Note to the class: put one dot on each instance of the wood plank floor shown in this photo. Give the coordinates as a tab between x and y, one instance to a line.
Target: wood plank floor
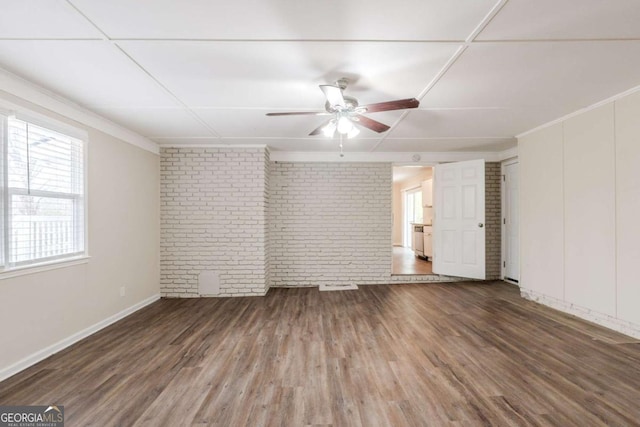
400	355
405	262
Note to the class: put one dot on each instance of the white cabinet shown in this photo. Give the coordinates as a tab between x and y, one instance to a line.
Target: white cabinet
427	193
427	236
417	241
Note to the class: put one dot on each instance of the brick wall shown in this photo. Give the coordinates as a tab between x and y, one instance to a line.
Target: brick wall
330	223
213	218
493	215
266	193
258	223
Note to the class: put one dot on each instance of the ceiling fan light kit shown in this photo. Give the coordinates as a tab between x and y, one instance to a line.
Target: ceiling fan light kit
347	114
330	129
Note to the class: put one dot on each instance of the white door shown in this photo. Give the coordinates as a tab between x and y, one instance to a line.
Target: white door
458	223
511	223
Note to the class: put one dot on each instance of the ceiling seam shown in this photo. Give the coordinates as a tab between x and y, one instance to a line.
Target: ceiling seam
420	41
93	24
126	39
192	113
566	40
486	20
195	116
422	94
456	55
51	39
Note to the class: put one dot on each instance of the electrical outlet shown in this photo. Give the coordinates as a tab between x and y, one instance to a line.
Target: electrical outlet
122	291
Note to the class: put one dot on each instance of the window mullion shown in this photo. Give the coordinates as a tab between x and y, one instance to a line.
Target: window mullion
4	203
41	193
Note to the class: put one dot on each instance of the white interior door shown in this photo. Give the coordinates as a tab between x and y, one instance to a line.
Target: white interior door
511	223
458	223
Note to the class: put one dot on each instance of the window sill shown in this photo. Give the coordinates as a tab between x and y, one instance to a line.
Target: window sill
38	268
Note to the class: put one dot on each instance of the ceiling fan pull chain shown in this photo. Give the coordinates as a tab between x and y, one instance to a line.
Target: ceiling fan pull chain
341	153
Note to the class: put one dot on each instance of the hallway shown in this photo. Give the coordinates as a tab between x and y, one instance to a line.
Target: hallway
405	262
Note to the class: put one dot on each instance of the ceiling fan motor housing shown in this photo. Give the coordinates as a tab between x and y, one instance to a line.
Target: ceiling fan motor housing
350	105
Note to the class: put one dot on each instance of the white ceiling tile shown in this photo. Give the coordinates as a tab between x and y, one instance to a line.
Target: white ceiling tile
565	19
287	74
286	19
564	75
229	67
254	123
43	19
158	122
91	73
443	145
315	144
241	123
471	122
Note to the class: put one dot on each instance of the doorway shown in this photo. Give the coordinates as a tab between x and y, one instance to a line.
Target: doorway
410	210
510	222
412	214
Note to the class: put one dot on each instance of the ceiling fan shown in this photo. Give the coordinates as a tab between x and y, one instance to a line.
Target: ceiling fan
347	114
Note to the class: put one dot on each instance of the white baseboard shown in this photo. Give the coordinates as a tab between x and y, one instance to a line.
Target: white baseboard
62	344
601	319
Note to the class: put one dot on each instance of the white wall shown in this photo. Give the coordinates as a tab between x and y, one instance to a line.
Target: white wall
580	184
627	113
41	309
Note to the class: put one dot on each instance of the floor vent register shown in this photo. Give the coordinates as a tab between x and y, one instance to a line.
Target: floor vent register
345	287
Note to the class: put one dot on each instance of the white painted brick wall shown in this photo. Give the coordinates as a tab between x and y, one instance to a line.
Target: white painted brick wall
213	217
330	223
260	223
493	215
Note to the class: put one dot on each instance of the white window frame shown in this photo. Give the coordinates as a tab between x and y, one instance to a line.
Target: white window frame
28	267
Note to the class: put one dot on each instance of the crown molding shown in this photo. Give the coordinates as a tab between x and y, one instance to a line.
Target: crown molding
28	91
508	154
214	146
426	158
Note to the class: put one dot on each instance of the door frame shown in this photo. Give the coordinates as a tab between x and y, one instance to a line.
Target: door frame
503	225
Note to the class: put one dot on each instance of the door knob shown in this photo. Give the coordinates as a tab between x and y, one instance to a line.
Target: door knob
480	225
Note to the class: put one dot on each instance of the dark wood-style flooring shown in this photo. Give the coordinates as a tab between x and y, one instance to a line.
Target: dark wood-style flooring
406	262
400	355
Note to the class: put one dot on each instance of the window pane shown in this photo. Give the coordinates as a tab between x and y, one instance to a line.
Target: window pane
55	161
42	227
45	186
17	154
417	215
44	160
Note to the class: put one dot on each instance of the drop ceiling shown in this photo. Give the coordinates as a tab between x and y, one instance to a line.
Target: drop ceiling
206	72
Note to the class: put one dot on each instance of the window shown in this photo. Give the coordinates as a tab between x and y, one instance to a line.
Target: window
43	195
412	212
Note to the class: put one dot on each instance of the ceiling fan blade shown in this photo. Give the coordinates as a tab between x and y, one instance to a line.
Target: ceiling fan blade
333	94
319	129
400	104
371	124
300	113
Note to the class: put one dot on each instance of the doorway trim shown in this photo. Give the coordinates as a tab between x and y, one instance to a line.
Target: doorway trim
503	226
